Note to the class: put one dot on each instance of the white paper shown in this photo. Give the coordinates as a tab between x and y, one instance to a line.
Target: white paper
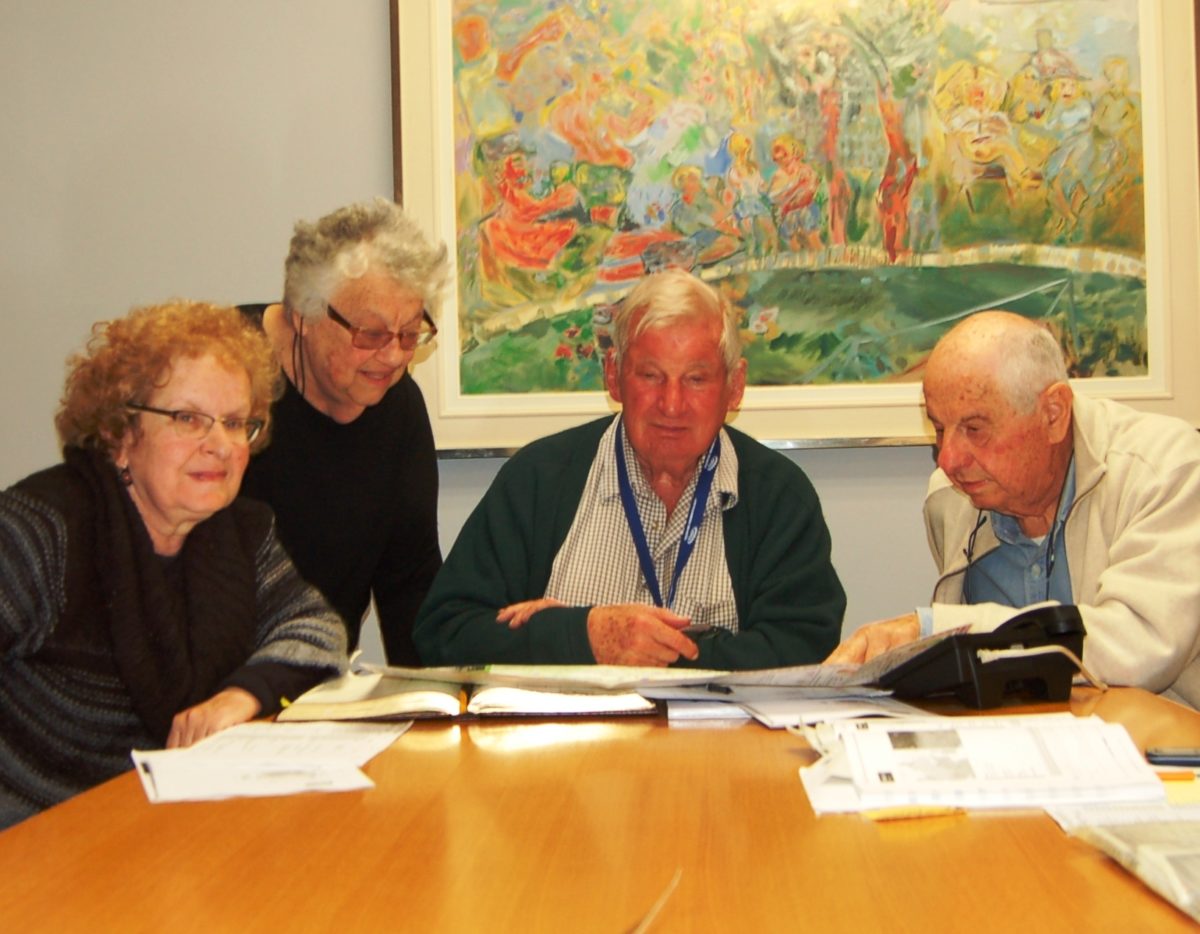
1160	845
168	777
258	759
629	678
1069	818
496	699
357	743
1036	760
781	708
693	710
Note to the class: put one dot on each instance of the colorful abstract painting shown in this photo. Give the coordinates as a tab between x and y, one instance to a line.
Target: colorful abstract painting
855	174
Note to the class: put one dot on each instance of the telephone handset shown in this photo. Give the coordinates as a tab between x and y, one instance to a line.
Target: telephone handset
1023	656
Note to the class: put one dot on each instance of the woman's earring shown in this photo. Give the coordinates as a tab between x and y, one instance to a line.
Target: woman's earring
126	476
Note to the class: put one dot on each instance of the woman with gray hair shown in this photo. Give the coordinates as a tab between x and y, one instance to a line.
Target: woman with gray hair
351	472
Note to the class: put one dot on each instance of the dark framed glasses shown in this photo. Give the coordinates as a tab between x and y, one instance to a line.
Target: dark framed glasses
196	425
368	339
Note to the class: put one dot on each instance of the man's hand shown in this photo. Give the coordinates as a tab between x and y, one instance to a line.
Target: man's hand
874	639
635	634
229	707
517	614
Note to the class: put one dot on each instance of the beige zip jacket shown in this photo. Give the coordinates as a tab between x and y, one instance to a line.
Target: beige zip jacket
1132	544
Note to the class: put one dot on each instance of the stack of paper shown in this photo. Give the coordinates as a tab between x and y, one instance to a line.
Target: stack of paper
259	759
500	700
1159	844
683	710
975	762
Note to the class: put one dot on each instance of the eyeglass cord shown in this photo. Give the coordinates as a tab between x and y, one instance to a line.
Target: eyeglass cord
298	371
969	554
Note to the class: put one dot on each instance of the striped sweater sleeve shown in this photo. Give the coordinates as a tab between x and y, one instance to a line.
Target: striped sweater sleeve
300	639
33	548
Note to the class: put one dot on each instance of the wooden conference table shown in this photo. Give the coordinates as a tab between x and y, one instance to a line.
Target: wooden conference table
576	826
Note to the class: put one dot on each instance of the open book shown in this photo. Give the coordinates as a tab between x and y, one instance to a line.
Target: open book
371	692
375	691
377	694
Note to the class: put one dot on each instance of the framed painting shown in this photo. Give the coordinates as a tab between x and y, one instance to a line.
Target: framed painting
855	176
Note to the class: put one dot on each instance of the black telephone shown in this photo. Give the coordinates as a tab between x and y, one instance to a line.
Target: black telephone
954	666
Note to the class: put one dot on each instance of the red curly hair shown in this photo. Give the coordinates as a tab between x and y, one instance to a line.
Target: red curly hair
126	359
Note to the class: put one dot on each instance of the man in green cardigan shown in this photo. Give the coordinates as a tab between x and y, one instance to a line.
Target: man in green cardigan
656	537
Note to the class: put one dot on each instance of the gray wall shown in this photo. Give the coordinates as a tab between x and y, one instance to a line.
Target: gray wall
156	149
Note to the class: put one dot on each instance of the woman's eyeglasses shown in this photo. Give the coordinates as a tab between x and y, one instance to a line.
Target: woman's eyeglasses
367	339
195	426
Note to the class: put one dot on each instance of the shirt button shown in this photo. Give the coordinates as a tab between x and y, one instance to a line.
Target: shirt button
1037	570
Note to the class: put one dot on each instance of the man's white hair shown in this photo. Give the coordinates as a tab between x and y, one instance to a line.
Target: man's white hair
672	295
1031	360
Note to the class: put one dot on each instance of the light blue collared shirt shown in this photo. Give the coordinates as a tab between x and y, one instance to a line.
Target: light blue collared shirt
1021	570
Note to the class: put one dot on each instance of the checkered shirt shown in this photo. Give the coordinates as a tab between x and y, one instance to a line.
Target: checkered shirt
598	563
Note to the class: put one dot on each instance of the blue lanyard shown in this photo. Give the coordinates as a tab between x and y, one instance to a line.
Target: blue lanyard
691	530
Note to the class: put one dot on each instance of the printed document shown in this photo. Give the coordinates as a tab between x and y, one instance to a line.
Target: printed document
1159	844
259	759
1035	760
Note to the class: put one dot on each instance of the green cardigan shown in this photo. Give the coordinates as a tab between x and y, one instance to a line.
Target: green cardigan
789	600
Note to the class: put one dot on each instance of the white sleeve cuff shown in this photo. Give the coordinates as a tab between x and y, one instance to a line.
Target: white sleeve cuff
977	617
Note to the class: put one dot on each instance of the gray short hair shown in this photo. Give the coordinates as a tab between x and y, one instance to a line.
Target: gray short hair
673	295
1031	360
346	244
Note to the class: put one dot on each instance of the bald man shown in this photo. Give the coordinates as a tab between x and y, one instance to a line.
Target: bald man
1043	495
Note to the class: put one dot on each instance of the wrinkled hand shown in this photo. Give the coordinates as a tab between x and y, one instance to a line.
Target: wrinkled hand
874	639
517	614
635	634
229	707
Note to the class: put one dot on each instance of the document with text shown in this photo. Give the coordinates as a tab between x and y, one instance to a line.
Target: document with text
1035	760
260	759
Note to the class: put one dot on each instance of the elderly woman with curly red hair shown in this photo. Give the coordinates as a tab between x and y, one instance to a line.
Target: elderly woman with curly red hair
142	603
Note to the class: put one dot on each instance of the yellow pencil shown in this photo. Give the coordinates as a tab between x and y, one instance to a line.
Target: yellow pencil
908	812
